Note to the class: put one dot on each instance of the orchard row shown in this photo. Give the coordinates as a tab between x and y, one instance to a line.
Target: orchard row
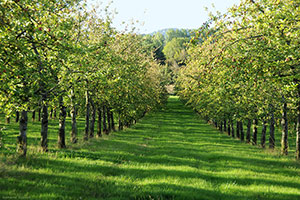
247	71
61	55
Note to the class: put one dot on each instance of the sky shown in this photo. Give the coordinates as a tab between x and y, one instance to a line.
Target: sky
154	15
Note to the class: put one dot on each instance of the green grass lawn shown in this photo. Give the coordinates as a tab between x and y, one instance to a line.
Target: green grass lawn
170	154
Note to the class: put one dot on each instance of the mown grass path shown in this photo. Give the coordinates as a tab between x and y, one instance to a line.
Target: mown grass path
170	154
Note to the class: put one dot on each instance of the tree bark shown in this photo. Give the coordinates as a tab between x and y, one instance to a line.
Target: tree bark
232	129
73	118
248	134
87	116
17	116
108	119
272	129
7	120
225	125
263	134
99	131
298	125
62	124
120	122
93	119
284	122
242	131
104	121
22	138
221	126
238	129
39	119
229	128
51	113
112	121
33	116
254	138
44	128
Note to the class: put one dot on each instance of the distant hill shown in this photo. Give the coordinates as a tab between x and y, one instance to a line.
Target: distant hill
164	31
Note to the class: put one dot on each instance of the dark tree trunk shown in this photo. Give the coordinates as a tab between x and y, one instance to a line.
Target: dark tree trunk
44	128
298	125
225	125
229	129
112	121
99	125
263	134
248	134
62	124
51	113
33	116
120	122
242	131
254	138
272	129
39	119
232	129
221	126
17	116
93	119
104	121
108	119
73	118
87	116
237	129
284	122
7	120
55	114
22	138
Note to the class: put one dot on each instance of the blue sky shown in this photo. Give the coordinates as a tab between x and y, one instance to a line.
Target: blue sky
160	14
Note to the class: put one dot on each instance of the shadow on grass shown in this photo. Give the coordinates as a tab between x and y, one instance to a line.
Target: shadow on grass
169	154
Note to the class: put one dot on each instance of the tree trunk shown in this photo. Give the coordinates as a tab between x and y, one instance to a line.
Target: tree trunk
242	131
7	120
221	126
225	125
44	128
104	121
108	119
263	134
55	114
229	128
284	122
87	116
22	138
248	134
39	114
33	116
51	113
17	116
112	121
120	122
62	124
298	125
254	138
93	119
238	129
99	131
272	130
232	129
73	118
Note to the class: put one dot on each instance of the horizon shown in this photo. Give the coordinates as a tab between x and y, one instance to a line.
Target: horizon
151	16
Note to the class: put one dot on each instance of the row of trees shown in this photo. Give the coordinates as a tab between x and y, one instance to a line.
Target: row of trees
246	70
58	54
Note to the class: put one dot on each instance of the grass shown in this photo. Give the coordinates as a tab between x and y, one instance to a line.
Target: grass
170	154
